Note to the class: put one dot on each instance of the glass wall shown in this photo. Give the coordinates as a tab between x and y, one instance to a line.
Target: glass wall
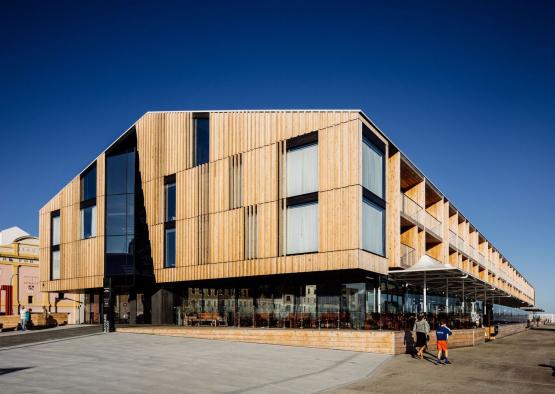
369	304
120	213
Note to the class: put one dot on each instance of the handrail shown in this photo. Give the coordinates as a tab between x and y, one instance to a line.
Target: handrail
408	256
452	238
411	208
433	223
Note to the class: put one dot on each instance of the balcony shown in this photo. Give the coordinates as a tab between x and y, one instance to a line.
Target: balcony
411	209
433	225
408	256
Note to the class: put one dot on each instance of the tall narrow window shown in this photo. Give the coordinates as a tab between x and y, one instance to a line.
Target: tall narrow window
88	202
373	202
169	222
235	181
201	138
55	245
251	232
169	258
169	190
302	219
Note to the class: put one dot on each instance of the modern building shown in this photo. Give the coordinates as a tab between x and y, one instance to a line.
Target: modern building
19	278
274	218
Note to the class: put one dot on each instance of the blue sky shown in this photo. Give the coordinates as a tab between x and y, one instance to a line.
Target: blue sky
467	91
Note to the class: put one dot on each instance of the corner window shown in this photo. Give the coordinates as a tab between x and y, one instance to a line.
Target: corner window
88	202
201	138
169	222
301	218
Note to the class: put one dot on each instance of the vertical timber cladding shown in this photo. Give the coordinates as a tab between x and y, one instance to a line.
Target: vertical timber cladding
210	231
81	260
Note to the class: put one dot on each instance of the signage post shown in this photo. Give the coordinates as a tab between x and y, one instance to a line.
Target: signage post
107	298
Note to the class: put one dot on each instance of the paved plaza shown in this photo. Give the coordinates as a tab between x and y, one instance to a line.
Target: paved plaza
86	361
125	363
519	363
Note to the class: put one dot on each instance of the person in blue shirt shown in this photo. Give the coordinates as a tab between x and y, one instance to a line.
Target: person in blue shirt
442	334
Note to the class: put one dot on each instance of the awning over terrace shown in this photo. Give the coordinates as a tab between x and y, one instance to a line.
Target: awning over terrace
432	276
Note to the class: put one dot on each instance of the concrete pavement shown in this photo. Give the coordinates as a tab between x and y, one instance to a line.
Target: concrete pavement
125	363
515	364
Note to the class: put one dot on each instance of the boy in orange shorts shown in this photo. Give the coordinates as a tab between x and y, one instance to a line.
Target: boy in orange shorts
442	334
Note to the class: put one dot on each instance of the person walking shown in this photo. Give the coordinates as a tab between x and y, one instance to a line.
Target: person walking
29	321
442	335
23	317
422	328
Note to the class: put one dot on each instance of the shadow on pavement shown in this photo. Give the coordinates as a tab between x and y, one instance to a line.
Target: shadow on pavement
5	371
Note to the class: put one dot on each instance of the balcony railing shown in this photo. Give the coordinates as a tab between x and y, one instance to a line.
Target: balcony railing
452	238
411	209
433	224
472	252
482	260
461	245
408	256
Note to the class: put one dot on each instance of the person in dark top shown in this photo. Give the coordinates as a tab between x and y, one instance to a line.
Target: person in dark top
442	334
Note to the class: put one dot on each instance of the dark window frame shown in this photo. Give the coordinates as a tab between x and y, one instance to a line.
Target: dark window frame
89	202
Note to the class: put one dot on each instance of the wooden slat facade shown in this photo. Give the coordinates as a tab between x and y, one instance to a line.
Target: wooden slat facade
245	174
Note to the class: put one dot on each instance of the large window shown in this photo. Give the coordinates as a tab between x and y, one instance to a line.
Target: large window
169	222
201	135
372	227
372	168
373	201
88	202
302	228
55	245
302	170
120	212
302	222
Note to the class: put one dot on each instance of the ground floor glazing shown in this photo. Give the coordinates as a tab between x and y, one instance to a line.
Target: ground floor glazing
341	300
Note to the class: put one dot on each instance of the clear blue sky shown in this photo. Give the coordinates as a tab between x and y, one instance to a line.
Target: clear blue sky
467	91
